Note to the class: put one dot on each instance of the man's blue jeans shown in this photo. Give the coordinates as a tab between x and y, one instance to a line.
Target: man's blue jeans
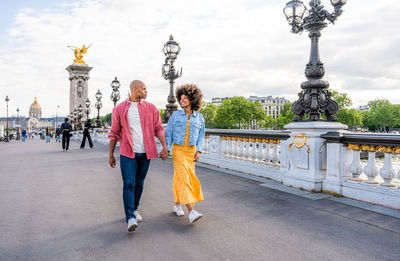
133	174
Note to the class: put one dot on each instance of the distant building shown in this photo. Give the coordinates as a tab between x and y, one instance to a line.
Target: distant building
35	121
363	107
272	106
218	101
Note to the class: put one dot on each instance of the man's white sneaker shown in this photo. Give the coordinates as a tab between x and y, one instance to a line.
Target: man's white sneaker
178	210
194	216
138	216
132	225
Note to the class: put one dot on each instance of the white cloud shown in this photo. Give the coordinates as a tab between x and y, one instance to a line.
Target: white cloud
228	48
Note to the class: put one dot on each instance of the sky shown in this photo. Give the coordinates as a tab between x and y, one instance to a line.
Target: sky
229	48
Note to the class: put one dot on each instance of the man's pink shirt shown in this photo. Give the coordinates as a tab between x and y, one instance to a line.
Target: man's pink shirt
151	126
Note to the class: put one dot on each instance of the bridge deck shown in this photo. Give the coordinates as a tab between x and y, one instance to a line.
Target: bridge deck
68	206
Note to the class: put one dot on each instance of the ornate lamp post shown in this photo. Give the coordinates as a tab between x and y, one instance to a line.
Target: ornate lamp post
75	119
87	110
98	106
7	137
80	116
18	133
115	84
314	99
171	50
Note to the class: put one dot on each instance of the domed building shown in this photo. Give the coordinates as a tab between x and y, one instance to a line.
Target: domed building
35	117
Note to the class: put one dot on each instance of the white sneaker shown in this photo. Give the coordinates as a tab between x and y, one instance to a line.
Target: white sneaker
178	210
138	216
132	225
194	216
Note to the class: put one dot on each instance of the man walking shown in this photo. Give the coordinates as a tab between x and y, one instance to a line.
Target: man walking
66	128
86	134
23	135
134	124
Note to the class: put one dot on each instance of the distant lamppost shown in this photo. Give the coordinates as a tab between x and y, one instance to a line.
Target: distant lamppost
75	118
87	110
171	50
115	84
7	137
58	106
314	99
80	116
18	133
98	106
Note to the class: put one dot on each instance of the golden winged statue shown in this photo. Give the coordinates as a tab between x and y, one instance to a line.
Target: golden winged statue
79	52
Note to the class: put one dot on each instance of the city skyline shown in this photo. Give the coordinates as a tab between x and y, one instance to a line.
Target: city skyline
229	49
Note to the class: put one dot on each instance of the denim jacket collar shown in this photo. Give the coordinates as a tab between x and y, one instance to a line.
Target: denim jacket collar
184	113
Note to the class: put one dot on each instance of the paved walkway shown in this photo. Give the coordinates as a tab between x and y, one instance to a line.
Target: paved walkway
68	206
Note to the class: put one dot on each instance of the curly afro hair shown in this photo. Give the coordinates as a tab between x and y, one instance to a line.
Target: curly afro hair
193	93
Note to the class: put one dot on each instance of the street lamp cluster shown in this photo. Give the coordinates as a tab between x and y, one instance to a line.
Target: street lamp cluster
171	50
314	99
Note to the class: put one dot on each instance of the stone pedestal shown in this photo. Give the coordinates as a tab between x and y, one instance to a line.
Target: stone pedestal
78	76
307	154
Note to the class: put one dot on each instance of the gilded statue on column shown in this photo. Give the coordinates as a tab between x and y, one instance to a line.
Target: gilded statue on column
79	52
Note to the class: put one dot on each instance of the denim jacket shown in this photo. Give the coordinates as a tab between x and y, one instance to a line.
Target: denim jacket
176	129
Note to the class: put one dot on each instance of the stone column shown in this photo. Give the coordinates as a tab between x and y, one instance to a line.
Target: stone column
78	92
307	154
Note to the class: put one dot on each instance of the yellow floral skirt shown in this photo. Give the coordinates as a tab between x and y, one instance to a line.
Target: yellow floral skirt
186	186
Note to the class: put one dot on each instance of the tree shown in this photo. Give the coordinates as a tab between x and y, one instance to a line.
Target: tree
350	117
209	111
286	116
382	114
269	122
162	112
106	120
342	99
238	112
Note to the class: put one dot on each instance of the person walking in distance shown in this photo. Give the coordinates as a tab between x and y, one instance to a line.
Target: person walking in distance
23	135
86	134
48	135
134	124
66	129
185	134
58	133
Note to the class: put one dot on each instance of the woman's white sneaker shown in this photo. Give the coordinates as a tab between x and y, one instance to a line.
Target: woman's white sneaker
194	216
132	225
178	210
138	216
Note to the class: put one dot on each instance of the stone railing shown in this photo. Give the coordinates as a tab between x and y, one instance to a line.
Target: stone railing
254	152
370	181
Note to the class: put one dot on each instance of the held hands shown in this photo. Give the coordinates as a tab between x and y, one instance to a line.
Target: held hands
111	161
164	154
196	156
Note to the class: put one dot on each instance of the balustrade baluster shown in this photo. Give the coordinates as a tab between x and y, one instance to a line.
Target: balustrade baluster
387	172
370	169
275	153
356	168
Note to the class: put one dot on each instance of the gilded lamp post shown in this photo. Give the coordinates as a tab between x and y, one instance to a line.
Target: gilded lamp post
171	50
314	99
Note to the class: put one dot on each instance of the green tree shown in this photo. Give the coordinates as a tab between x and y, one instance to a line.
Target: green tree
106	120
209	111
382	115
269	122
238	112
350	117
162	112
342	99
286	116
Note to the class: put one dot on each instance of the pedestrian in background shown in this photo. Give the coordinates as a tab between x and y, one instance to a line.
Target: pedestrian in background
86	134
66	129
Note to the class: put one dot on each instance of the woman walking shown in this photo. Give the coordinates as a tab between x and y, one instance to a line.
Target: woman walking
48	135
185	134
